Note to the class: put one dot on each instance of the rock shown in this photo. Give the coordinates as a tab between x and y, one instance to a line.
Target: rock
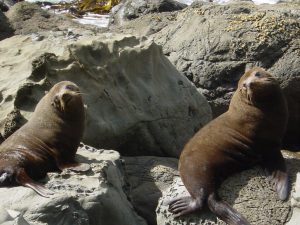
289	1
248	192
5	28
88	198
28	18
296	203
213	44
290	83
148	177
6	4
137	102
131	9
3	7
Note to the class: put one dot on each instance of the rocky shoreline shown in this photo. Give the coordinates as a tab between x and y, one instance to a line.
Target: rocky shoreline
157	74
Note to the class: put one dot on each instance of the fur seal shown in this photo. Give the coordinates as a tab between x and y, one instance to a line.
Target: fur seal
47	142
248	134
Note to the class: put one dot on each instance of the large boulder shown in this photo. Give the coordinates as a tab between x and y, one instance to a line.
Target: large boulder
88	198
137	102
213	44
249	192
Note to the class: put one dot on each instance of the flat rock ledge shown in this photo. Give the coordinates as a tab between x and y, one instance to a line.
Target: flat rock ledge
248	192
90	198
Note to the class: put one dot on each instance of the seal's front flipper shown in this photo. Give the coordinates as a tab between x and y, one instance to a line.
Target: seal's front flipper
275	166
75	166
225	212
23	179
183	205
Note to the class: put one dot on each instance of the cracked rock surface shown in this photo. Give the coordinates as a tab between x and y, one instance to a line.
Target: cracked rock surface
87	198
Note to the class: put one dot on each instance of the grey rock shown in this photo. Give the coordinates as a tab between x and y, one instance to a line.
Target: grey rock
295	203
148	177
287	70
5	28
6	4
87	198
289	1
212	45
137	102
28	18
131	9
248	192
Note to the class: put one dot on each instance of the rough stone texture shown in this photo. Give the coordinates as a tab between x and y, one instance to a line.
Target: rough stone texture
137	102
287	70
249	192
148	177
3	6
296	203
131	9
28	18
89	198
5	28
213	44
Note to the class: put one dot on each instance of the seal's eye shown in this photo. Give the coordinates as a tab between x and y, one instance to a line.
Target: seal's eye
70	87
257	74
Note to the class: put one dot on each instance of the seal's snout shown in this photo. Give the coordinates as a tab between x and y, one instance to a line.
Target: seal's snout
6	176
66	97
248	83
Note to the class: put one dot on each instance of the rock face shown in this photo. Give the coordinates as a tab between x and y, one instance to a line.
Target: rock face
213	44
137	102
89	198
249	192
148	177
5	28
28	18
296	203
132	9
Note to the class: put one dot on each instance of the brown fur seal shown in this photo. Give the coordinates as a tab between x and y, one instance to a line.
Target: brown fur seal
47	142
249	133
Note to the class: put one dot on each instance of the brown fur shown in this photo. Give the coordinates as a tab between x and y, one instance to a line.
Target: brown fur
47	142
249	133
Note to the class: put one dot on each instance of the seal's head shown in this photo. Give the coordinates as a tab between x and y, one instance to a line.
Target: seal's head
258	86
66	98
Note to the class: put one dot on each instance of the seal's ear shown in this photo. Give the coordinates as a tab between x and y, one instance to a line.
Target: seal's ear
46	92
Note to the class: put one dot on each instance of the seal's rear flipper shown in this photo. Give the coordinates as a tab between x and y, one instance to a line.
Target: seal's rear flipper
275	166
23	179
225	212
74	166
183	205
279	179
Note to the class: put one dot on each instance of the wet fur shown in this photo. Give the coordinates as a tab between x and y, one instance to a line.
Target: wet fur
249	133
